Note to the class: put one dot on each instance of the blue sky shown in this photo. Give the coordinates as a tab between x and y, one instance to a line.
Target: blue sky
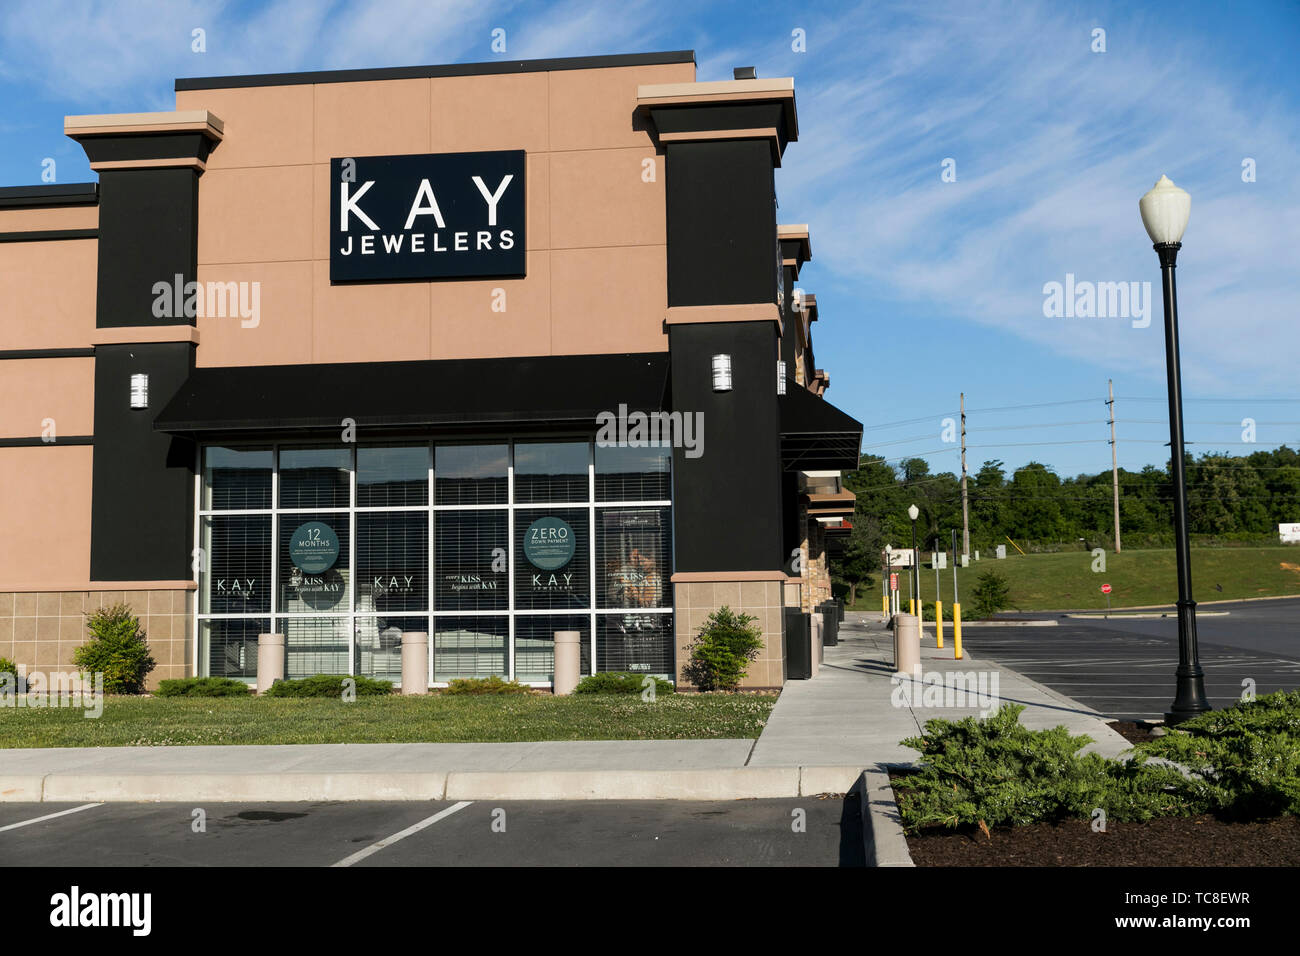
925	288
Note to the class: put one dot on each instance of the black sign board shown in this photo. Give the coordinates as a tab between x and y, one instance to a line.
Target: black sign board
433	216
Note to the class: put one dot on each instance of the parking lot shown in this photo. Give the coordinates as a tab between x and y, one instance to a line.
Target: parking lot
1124	667
810	831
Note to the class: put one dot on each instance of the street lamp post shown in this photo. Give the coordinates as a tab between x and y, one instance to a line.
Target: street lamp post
913	512
1165	210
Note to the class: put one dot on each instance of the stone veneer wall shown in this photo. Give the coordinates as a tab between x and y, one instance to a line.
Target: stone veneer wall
40	629
695	600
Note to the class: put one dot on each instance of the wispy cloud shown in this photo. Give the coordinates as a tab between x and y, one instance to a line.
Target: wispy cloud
1053	145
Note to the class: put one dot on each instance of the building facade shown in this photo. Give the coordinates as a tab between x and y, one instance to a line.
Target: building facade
482	351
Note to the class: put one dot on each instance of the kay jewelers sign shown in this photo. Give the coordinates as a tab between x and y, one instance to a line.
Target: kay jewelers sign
432	216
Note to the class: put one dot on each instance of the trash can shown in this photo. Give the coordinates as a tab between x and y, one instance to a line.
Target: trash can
798	645
830	623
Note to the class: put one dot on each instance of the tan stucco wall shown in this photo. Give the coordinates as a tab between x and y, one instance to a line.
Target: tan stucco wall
45	521
32	391
41	219
597	265
48	291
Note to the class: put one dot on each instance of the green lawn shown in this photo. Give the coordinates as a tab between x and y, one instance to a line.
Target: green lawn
1066	581
159	722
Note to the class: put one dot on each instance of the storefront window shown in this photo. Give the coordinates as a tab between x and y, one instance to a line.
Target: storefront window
633	474
552	559
471	474
551	471
470	647
237	479
228	646
314	477
235	564
359	554
471	556
392	477
314	563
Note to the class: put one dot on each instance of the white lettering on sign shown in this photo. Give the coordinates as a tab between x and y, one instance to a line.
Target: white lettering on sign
349	204
491	199
432	209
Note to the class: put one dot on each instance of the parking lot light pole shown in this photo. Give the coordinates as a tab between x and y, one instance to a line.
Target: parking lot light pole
1165	210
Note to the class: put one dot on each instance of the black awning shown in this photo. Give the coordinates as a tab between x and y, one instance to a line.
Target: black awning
564	389
815	435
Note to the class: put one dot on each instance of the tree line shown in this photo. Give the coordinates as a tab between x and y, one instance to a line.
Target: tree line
1230	498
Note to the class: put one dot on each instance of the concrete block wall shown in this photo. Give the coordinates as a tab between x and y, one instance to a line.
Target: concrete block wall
40	629
694	601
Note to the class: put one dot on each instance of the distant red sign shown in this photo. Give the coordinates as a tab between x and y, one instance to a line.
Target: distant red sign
1105	589
893	582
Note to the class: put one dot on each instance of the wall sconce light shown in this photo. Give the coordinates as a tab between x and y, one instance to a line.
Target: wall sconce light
722	373
139	390
780	377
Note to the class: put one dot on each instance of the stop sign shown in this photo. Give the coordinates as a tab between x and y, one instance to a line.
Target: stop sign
893	582
1105	589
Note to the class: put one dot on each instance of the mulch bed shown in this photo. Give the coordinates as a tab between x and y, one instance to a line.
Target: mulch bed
1135	732
1172	841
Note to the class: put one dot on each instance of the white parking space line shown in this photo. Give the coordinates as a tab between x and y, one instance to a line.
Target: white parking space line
401	834
49	816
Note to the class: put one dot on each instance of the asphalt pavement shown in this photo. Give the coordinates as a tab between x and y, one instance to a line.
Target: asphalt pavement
1124	666
812	831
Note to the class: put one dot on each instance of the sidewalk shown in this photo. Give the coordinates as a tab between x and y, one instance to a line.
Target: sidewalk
820	737
846	715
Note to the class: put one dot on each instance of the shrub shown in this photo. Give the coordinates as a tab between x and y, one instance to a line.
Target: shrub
620	682
203	687
991	593
1244	759
117	648
8	667
720	654
328	685
474	686
996	771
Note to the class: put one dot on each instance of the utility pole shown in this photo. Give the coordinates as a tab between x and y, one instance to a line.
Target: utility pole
965	507
1114	458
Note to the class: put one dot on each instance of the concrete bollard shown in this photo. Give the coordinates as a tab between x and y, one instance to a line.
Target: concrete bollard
568	662
907	644
270	660
415	662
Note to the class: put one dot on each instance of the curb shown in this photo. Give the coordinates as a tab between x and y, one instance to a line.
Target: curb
881	823
729	783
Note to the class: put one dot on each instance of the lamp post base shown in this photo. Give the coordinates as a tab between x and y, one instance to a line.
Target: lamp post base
1189	679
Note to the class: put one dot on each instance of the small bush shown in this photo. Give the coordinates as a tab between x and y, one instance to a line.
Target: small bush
721	653
992	593
620	682
997	772
203	687
8	667
473	686
117	648
328	685
1244	759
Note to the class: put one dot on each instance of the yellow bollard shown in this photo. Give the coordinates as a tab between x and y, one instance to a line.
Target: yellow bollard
956	632
938	622
884	606
911	606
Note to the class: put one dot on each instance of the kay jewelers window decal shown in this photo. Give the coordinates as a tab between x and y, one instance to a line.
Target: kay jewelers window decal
430	216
